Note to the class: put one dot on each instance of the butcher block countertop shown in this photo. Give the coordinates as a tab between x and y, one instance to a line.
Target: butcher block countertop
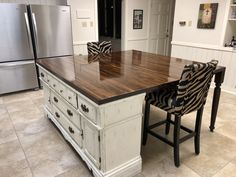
106	78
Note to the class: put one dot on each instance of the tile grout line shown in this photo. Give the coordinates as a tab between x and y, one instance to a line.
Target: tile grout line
213	174
221	168
20	143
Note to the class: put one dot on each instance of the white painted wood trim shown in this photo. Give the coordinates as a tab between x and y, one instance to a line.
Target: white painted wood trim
96	20
138	39
225	22
148	24
124	25
203	46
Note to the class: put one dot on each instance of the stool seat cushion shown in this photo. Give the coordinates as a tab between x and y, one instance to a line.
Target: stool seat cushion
163	98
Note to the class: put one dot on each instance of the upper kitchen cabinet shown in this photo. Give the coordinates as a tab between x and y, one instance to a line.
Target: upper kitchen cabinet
231	21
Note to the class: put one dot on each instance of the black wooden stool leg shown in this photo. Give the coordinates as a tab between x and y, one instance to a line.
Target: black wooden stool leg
198	130
176	140
168	123
146	123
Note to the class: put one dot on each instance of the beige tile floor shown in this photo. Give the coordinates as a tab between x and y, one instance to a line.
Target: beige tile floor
31	146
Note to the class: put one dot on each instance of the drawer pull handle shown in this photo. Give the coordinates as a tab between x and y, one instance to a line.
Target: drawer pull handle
42	74
57	115
61	91
55	99
69	112
84	108
71	130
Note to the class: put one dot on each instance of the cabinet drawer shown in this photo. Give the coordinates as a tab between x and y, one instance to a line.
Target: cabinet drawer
55	84
87	109
62	90
55	99
71	97
42	75
49	79
74	132
66	109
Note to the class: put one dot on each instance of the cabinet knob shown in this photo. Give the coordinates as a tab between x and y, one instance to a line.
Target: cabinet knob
71	130
69	97
57	115
55	99
54	85
84	108
82	134
48	80
69	112
42	75
61	91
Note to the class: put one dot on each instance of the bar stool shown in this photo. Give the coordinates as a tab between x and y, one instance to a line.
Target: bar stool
188	96
95	48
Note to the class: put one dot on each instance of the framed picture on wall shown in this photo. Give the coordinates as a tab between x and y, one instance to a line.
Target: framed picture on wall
138	19
207	16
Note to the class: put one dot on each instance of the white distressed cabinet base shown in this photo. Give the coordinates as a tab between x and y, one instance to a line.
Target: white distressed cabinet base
128	169
107	136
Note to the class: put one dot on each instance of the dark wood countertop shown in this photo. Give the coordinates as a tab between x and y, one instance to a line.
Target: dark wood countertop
106	78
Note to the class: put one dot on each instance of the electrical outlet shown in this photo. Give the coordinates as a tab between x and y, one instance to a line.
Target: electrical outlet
190	23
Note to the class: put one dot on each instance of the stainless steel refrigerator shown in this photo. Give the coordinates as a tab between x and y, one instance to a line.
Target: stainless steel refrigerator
28	32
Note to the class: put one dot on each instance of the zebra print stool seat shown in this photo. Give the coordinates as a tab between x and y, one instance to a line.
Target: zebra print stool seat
163	98
188	96
95	48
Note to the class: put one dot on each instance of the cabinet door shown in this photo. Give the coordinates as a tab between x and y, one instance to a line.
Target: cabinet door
91	142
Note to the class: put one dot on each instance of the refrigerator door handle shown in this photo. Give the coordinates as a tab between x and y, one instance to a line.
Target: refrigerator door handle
15	64
35	31
28	32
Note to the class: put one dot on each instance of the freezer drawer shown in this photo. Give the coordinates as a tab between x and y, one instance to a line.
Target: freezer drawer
17	76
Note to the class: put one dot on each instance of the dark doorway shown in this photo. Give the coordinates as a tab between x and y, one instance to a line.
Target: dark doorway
109	19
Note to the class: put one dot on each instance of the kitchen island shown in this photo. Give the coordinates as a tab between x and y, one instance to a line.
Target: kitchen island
96	102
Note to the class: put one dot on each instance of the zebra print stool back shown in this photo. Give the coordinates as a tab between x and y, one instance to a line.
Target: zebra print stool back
105	47
95	48
193	87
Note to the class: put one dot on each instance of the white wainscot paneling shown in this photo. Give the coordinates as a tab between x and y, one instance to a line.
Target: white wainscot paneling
225	58
152	45
214	55
232	72
137	45
80	49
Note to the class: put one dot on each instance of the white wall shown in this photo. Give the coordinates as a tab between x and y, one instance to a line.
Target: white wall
187	10
84	30
204	45
134	38
47	2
